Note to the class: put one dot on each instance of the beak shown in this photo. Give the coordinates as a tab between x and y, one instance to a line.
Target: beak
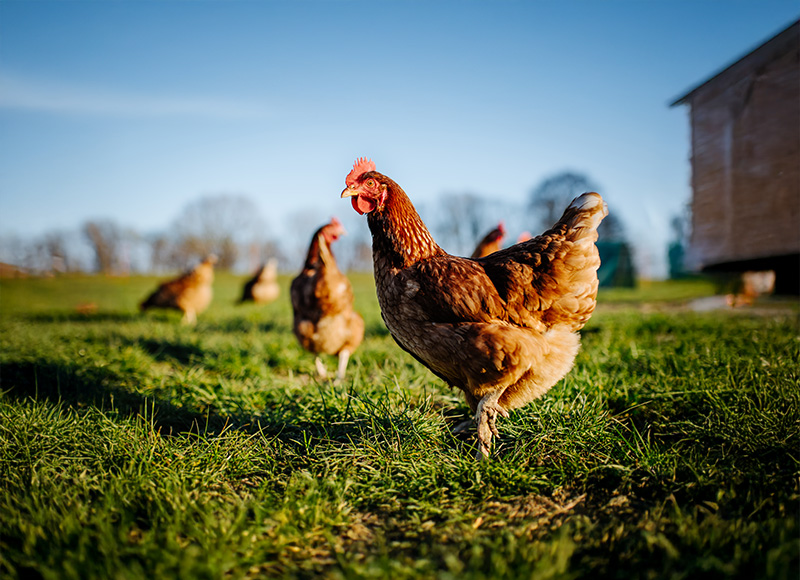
349	192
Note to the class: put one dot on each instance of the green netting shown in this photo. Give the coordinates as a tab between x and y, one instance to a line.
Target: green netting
616	265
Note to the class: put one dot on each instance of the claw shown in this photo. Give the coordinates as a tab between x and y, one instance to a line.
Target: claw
493	425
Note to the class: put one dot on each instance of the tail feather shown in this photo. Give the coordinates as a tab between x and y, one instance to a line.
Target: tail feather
577	269
583	216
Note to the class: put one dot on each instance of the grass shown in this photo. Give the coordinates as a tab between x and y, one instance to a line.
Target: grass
132	446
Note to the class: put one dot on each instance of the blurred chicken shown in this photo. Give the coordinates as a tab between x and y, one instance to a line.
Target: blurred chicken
190	293
490	242
86	308
750	286
524	237
322	300
263	286
504	328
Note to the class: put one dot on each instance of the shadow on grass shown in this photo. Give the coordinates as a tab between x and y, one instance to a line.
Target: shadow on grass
72	316
294	423
79	387
169	351
241	325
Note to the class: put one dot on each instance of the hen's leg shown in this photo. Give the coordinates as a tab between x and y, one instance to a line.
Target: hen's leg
189	317
344	356
486	417
321	370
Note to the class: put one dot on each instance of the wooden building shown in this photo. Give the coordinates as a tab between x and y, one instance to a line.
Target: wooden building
745	157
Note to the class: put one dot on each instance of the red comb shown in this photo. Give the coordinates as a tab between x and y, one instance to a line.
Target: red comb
362	165
335	221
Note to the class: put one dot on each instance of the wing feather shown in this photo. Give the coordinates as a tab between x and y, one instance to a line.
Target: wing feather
547	281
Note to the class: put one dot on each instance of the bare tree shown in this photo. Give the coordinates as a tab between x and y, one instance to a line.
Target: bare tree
55	246
552	196
219	224
360	256
259	252
54	251
461	221
12	249
303	223
161	248
273	249
105	237
37	258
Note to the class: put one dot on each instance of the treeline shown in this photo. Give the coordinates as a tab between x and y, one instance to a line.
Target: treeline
232	227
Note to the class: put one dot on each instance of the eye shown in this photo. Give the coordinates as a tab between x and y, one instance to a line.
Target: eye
370	183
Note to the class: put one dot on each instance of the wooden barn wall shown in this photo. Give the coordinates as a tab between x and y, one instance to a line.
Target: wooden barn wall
746	162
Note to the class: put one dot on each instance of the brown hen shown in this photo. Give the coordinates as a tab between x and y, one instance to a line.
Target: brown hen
190	293
263	287
322	300
491	242
504	328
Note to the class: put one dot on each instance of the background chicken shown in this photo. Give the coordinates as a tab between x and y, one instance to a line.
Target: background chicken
322	300
501	328
263	286
490	242
190	293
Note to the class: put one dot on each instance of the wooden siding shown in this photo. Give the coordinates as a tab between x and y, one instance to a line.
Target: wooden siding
745	159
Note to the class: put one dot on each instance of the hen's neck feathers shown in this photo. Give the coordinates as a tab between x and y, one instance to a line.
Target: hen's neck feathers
398	233
319	253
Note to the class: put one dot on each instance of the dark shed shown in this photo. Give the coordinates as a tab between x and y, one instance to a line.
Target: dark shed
745	157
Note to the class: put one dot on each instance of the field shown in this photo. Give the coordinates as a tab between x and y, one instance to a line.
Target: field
132	446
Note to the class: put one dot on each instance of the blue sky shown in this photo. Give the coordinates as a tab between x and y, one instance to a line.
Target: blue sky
129	110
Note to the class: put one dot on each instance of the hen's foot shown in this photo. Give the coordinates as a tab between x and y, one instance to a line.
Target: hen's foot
321	370
344	356
486	417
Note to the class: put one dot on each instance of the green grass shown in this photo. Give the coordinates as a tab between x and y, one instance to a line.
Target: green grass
132	446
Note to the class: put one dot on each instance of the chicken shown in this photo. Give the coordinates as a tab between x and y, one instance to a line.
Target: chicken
504	328
750	286
263	286
322	300
490	242
190	293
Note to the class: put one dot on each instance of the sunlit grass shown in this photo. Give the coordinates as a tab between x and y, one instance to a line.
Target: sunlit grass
649	291
132	446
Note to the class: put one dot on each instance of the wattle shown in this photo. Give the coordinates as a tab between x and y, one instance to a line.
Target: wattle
362	205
